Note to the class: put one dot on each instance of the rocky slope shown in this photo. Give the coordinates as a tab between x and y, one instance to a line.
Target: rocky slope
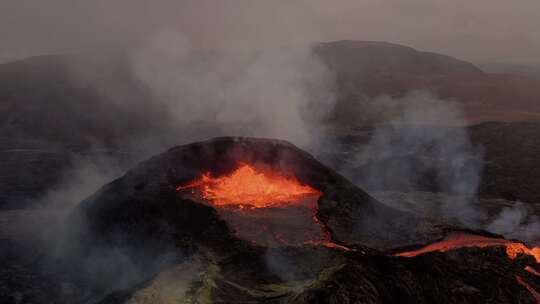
365	70
160	246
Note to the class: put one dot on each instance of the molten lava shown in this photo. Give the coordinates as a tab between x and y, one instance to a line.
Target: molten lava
461	240
247	186
514	249
456	241
265	207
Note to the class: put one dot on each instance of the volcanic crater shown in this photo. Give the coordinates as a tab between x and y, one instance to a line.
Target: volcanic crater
250	220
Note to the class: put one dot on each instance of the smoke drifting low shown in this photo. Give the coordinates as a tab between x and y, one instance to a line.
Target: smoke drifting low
85	177
189	93
457	162
423	161
517	222
423	144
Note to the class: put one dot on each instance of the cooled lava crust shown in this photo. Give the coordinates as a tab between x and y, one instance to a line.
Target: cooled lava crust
186	245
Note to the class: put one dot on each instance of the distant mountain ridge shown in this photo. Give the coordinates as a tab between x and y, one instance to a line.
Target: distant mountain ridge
46	117
364	57
39	101
365	70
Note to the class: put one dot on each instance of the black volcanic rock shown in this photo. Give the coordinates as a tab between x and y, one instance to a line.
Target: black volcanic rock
144	217
121	205
461	276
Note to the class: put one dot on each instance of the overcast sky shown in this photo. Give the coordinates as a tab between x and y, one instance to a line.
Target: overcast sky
479	30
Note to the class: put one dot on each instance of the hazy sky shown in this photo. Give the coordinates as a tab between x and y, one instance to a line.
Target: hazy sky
480	30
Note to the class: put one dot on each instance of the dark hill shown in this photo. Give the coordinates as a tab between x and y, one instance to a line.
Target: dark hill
48	100
182	248
366	70
51	98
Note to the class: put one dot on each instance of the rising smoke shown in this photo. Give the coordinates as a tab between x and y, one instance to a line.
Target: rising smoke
262	80
423	161
516	222
282	91
422	146
266	93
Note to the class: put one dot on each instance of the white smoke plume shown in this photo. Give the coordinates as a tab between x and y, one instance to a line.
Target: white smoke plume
257	92
516	222
425	156
423	144
195	94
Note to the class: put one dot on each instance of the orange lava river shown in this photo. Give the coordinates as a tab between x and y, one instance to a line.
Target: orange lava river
265	207
461	240
457	241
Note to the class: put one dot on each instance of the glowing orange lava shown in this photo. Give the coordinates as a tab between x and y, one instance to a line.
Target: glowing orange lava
457	241
460	240
514	249
265	207
247	186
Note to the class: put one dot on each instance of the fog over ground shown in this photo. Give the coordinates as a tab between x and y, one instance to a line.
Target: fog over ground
494	30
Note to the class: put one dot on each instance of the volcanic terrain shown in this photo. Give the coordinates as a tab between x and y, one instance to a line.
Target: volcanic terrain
250	220
194	225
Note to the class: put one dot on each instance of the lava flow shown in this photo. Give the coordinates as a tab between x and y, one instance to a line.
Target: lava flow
265	207
461	240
